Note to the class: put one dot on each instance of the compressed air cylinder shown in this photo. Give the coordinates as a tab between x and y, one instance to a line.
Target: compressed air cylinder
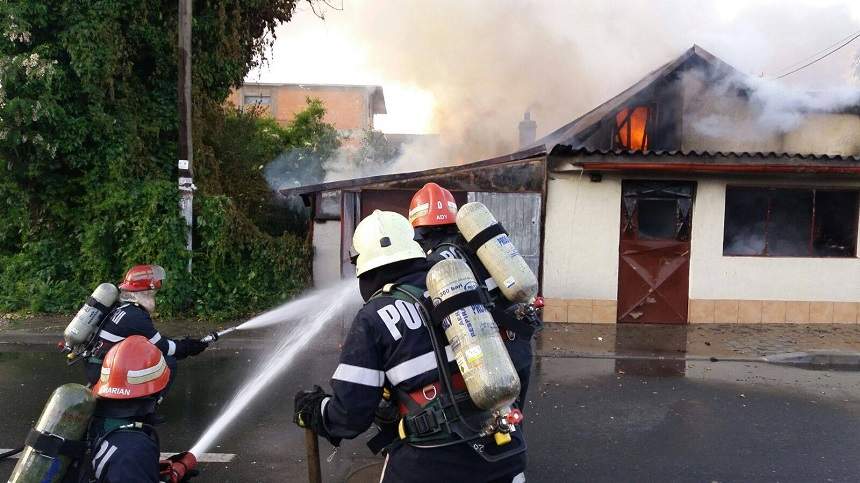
67	415
490	376
498	254
88	317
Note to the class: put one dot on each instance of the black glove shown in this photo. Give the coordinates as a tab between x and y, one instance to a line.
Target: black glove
195	346
308	412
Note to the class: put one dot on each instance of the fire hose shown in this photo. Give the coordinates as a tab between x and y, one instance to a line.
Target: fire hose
11	453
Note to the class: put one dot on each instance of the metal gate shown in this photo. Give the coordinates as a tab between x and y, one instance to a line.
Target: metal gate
519	213
654	252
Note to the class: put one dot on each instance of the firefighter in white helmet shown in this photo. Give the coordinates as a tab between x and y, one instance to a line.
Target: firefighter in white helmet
390	351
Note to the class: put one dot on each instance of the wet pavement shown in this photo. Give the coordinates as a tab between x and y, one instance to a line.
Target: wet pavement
648	416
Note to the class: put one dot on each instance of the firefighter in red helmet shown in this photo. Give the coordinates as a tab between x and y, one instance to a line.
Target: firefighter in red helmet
433	214
133	317
123	445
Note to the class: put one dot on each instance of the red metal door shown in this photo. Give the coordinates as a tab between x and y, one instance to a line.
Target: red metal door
654	253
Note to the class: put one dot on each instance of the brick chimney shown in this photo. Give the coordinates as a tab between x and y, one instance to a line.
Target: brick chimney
528	130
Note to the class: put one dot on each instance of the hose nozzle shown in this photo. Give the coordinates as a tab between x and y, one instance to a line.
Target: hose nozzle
217	335
177	467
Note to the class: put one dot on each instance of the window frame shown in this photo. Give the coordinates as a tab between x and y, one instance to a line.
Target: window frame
320	214
650	121
257	96
814	190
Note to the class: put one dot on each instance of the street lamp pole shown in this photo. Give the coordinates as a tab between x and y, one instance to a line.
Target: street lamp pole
186	155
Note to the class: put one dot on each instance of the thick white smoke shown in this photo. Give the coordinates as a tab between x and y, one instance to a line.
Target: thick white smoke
485	63
774	107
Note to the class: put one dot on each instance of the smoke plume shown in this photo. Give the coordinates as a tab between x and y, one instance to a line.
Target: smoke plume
486	63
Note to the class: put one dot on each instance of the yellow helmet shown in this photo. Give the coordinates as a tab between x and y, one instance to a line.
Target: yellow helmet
383	238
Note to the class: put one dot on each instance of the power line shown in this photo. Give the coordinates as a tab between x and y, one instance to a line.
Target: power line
831	52
819	52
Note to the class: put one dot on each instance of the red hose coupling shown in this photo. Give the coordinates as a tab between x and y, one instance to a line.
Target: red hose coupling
179	466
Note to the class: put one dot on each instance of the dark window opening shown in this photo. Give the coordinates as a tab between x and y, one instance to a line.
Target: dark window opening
632	126
656	210
657	219
790	222
258	100
833	233
327	205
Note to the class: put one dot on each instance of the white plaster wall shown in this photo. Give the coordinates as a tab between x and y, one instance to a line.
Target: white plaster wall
326	252
581	239
825	134
713	276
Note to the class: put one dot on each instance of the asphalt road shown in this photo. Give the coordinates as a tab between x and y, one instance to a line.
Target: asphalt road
587	419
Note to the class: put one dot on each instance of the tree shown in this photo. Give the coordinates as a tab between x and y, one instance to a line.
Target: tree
88	132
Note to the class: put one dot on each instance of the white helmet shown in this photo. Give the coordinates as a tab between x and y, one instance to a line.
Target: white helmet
382	238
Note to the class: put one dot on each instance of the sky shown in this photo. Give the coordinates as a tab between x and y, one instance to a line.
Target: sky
469	69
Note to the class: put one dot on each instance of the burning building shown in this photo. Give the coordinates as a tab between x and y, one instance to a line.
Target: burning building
697	195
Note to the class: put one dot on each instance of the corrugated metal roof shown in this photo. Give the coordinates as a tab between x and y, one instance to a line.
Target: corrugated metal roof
770	155
566	158
388	178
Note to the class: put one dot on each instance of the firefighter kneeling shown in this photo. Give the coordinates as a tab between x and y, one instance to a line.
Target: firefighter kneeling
105	438
395	347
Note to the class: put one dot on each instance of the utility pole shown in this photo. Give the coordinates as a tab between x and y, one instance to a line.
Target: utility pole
186	155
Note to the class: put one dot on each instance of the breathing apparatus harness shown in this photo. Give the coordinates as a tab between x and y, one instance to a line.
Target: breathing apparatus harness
449	417
118	426
78	451
524	319
88	350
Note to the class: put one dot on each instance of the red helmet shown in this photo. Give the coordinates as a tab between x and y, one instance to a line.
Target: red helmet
432	205
131	369
142	277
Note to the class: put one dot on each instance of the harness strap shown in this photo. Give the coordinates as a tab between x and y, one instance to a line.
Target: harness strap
455	303
52	445
416	400
104	309
486	235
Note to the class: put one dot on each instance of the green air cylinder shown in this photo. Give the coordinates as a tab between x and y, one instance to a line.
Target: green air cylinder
487	370
67	415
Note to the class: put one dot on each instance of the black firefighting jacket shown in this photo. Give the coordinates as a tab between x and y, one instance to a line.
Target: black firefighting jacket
131	319
388	346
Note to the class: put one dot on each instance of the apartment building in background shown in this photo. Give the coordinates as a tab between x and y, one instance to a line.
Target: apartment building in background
350	108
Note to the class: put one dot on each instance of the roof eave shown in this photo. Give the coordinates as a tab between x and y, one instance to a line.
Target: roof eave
519	156
717	168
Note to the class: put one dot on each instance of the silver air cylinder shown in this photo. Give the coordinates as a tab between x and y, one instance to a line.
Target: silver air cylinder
490	376
85	322
509	270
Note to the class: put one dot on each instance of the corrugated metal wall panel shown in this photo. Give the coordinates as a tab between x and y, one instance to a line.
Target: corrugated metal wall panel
519	213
